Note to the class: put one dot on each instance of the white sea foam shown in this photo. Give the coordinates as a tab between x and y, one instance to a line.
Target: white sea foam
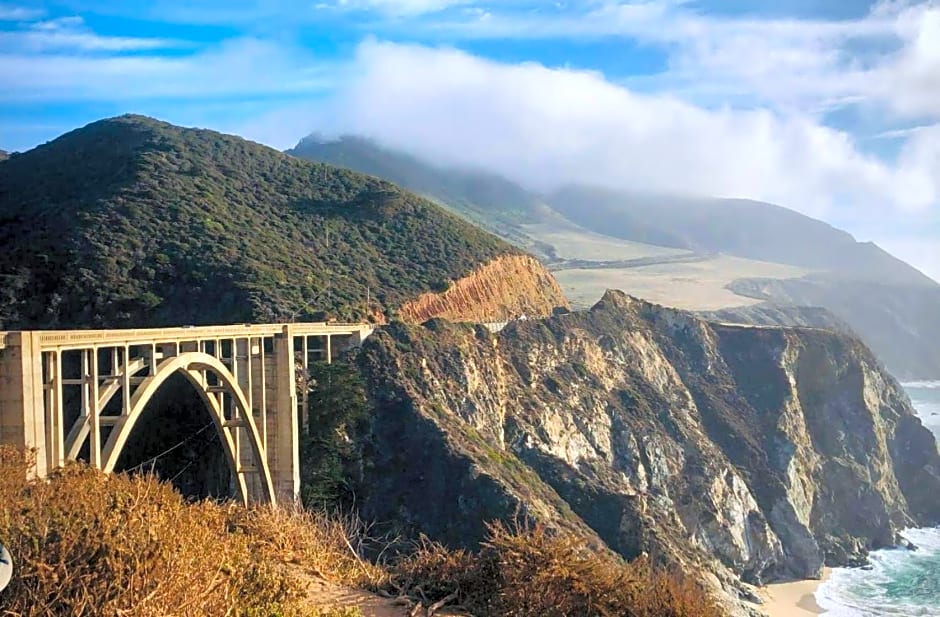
929	385
900	582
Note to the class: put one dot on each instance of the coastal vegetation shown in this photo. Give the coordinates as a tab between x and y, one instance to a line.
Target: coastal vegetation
133	222
527	571
337	411
90	544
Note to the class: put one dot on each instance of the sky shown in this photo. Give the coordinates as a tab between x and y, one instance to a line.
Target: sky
831	108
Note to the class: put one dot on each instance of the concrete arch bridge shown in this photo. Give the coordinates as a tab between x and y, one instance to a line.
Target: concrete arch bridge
66	392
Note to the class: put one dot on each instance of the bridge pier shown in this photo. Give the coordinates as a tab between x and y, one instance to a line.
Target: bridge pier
246	375
22	406
286	425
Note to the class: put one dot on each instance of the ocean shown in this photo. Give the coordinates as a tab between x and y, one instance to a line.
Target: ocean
900	582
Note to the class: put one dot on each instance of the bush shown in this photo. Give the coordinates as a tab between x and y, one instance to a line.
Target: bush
337	413
90	544
529	572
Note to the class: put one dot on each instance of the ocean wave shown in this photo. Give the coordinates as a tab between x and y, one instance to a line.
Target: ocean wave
928	385
900	582
927	406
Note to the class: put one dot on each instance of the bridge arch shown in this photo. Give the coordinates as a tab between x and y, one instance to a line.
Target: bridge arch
79	433
195	367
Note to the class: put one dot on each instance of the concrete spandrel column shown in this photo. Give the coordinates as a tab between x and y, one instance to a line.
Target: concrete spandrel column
285	467
22	408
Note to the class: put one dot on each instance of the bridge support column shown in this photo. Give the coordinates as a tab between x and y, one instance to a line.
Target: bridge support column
284	448
22	409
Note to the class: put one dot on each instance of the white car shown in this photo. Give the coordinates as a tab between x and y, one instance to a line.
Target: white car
6	567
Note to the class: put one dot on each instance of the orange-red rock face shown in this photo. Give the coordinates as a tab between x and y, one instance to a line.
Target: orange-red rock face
504	289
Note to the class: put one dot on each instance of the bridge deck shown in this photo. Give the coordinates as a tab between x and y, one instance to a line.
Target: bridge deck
80	339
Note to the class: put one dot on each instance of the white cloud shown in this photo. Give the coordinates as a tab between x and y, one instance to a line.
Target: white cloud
910	79
71	34
888	60
9	12
548	126
891	57
239	67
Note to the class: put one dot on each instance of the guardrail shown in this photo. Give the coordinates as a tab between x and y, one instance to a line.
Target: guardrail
54	339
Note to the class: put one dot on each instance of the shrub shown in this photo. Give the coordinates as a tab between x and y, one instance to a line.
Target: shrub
86	543
337	412
314	541
90	544
529	572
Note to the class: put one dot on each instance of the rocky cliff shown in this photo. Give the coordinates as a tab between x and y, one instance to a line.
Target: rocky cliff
749	453
901	323
768	314
505	288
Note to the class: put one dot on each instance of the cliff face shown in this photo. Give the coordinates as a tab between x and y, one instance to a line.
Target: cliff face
505	288
750	453
899	322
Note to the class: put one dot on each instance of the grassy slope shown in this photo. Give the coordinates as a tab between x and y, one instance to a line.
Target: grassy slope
743	228
486	199
134	222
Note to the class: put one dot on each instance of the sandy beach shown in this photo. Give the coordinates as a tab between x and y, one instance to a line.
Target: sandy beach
792	599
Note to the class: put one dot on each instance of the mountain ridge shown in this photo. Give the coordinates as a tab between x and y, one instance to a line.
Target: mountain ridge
487	199
566	228
130	221
740	227
638	217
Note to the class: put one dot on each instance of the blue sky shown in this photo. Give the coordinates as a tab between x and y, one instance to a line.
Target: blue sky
831	108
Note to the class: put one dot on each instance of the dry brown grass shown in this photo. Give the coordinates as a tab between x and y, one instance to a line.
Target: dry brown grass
319	543
529	572
87	544
90	544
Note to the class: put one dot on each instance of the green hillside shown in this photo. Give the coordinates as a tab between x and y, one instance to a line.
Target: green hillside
135	222
488	200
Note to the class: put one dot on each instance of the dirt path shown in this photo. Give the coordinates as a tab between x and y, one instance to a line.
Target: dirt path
324	594
321	593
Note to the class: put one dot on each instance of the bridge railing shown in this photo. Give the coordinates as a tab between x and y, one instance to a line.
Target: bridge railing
60	339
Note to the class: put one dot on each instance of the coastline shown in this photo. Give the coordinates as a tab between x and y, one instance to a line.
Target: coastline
797	598
792	599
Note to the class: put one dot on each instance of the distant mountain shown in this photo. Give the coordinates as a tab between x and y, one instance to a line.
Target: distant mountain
743	228
859	285
891	305
491	201
135	222
4	155
781	315
901	323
